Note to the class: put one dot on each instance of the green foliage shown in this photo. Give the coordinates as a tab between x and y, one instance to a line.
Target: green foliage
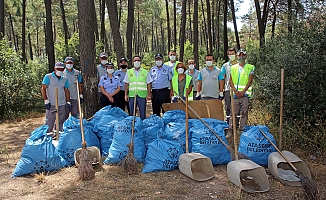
302	55
19	83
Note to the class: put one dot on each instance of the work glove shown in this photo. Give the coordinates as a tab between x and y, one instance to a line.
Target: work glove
221	96
47	104
175	99
81	97
69	105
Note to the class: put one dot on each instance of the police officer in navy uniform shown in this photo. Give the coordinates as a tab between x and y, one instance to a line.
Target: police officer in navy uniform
121	73
50	82
161	75
101	70
110	87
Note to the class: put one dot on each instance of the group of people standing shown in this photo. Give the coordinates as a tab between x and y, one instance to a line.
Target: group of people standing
165	82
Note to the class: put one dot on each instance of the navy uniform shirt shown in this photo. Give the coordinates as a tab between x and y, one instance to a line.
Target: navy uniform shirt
121	74
161	77
110	84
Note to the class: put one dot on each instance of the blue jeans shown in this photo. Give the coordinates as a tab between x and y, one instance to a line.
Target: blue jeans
141	103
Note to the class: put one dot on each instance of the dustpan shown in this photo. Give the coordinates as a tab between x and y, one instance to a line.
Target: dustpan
93	152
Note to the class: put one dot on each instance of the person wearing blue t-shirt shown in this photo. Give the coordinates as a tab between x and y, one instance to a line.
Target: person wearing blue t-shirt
210	80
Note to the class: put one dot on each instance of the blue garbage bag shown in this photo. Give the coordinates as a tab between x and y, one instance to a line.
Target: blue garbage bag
122	137
70	140
255	146
105	130
70	121
154	126
162	155
206	143
115	112
176	131
174	116
38	155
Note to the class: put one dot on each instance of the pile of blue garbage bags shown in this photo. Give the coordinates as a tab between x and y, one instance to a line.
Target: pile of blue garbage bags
158	142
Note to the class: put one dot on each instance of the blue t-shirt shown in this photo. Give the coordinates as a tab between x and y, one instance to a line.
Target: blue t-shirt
220	76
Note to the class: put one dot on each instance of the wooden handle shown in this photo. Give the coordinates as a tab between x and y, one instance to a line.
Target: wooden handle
80	114
234	126
281	108
187	150
57	113
133	120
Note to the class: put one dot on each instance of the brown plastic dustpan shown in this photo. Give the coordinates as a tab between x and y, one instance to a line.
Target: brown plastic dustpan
93	152
195	165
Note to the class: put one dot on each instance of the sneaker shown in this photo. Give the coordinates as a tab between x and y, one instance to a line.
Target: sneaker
52	134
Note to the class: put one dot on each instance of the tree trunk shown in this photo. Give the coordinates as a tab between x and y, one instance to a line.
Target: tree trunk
183	29
218	27
86	22
30	46
97	37
205	28
13	32
2	19
175	24
113	16
49	35
274	19
65	27
130	26
262	19
209	28
225	30
168	24
24	58
195	20
235	24
103	31
290	16
190	23
138	35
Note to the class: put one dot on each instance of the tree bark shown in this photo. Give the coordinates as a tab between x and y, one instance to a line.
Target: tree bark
24	58
175	24
205	27
225	30
30	46
235	24
2	19
262	19
168	24
183	29
209	28
290	16
218	27
86	22
65	27
130	26
49	35
103	31
195	20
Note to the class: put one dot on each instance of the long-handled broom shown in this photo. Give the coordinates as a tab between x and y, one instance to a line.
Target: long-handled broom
309	187
85	168
129	164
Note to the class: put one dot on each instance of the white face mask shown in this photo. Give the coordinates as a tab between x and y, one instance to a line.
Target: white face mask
172	58
110	71
232	57
103	62
180	70
59	73
69	66
191	67
209	63
136	64
158	62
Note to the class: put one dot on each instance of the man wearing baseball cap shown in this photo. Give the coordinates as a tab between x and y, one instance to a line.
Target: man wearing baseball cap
50	82
101	69
121	73
241	78
161	75
73	76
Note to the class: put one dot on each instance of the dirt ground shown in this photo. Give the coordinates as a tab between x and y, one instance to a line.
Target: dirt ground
111	183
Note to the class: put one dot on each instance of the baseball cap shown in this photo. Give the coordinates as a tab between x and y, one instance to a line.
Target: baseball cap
59	65
109	64
103	54
123	59
158	56
69	59
242	51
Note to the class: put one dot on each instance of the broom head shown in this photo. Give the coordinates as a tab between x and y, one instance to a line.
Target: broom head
129	164
85	168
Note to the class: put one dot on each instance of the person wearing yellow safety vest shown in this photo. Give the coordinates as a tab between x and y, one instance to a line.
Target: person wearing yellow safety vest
182	84
138	84
241	78
172	62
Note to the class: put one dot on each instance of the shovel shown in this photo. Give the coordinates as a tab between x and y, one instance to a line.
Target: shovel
195	165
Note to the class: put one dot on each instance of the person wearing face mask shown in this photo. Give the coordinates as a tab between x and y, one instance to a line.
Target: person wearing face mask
138	84
193	72
110	86
50	82
172	61
161	75
101	70
210	80
121	73
72	74
241	78
227	67
182	84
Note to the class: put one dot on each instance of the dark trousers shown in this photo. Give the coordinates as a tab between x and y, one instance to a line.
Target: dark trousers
105	101
160	96
122	103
